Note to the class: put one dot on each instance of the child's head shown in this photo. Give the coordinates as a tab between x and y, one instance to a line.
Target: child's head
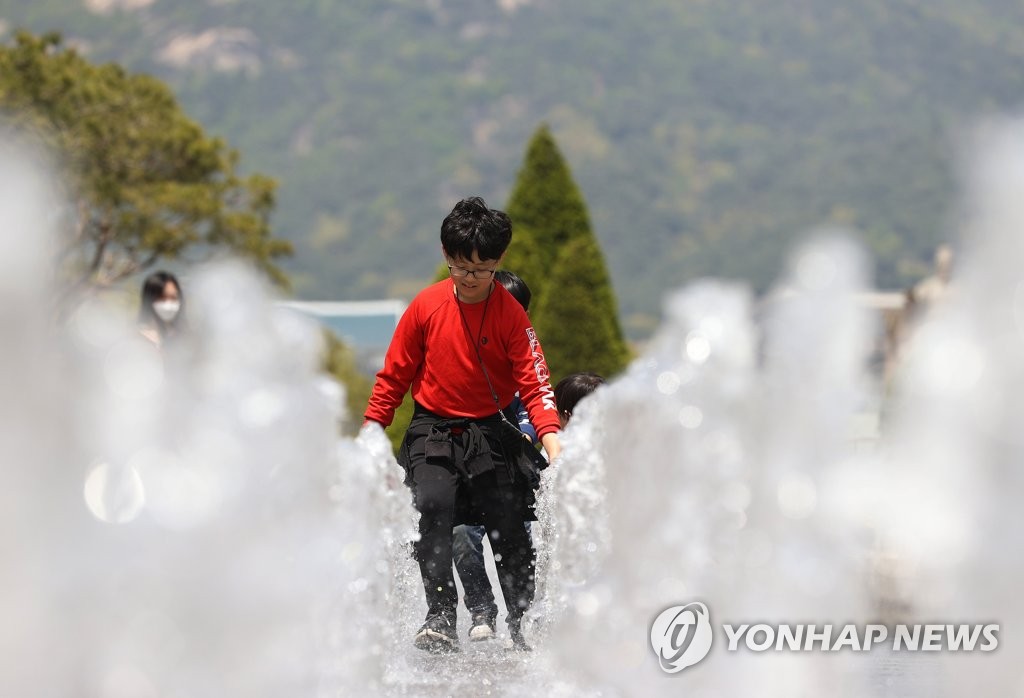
473	232
516	286
573	388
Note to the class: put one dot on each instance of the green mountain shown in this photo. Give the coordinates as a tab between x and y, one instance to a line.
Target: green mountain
705	137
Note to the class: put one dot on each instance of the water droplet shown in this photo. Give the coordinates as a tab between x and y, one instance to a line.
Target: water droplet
668	382
690	416
698	348
114	495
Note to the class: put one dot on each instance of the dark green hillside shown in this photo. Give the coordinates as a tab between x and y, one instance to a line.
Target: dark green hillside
704	136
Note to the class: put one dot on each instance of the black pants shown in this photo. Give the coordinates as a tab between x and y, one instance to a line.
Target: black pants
499	508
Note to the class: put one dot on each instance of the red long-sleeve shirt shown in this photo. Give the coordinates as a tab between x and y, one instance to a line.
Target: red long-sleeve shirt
432	352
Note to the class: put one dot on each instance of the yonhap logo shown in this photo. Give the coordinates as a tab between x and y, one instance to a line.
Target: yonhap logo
681	636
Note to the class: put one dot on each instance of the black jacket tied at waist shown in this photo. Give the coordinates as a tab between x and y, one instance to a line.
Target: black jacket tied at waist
467	444
474	456
472	448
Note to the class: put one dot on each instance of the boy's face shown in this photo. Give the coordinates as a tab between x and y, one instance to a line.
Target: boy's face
470	288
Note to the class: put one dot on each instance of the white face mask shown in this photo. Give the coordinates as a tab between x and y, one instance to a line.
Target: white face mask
167	310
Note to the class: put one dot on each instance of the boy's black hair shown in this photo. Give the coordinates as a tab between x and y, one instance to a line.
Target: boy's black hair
472	227
152	290
514	285
573	388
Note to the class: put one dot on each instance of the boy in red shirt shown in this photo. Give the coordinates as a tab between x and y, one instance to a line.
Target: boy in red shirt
465	347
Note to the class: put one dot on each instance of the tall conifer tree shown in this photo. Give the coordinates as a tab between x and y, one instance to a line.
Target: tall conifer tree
554	250
577	319
547	211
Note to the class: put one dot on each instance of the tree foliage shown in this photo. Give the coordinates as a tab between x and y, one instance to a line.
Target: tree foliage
146	182
547	211
577	319
338	360
707	136
554	250
400	423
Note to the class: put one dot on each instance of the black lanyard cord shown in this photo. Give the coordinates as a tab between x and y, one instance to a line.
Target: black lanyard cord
476	347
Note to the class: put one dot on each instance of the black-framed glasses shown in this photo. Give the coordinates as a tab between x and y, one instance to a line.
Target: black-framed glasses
482	274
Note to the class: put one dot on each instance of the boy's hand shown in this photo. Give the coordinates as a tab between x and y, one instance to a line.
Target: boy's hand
552	446
372	438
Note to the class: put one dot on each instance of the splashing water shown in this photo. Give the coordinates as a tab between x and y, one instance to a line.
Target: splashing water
184	523
956	443
189	523
732	477
713	453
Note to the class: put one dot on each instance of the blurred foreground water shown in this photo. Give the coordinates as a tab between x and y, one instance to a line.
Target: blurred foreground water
191	525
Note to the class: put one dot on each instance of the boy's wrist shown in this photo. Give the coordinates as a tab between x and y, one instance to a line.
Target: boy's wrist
552	445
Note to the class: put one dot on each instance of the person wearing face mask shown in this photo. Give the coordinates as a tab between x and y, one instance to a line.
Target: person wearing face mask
160	313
